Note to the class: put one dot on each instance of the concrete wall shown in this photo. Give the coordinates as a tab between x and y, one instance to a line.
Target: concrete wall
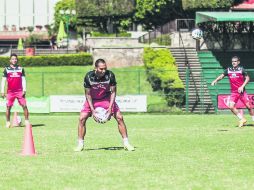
110	42
187	39
119	57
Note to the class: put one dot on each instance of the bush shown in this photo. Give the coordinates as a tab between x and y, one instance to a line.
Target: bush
163	75
163	40
121	34
54	60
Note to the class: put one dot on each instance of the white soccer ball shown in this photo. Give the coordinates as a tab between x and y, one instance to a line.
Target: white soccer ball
101	115
19	120
197	34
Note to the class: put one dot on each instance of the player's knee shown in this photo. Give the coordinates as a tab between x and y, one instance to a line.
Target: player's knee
119	118
82	119
24	107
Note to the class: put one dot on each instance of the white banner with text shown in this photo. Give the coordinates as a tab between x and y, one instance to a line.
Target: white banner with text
74	103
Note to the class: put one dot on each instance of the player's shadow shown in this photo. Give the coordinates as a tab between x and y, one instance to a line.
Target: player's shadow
106	148
249	125
35	125
246	125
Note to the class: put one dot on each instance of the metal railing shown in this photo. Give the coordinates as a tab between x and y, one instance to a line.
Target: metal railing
38	50
172	26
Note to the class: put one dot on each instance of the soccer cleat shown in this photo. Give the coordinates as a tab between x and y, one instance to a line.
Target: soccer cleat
8	125
129	147
242	122
79	148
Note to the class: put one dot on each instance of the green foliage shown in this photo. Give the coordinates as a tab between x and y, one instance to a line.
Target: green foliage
30	28
163	40
71	19
50	60
195	4
105	8
33	39
99	34
101	15
153	13
163	75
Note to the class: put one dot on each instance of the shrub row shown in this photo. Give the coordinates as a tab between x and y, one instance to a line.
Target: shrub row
51	60
163	75
163	40
121	34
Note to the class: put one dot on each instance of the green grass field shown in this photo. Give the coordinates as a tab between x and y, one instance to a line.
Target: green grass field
172	152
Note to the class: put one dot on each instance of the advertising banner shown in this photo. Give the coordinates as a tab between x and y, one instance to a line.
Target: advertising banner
223	101
74	103
35	105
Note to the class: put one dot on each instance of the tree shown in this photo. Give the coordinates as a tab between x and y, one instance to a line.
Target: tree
100	13
65	5
214	4
153	13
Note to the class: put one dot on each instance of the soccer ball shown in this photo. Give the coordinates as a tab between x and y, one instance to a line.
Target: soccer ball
102	115
197	34
19	120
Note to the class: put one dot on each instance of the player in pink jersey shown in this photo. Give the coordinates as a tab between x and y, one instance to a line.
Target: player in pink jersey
16	88
100	91
238	79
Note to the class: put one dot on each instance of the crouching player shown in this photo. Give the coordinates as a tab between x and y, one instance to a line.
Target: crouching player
238	79
100	91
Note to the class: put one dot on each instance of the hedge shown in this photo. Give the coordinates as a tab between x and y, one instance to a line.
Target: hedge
121	34
51	60
163	75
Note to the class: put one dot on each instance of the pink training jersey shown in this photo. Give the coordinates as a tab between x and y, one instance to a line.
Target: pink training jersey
99	87
236	77
14	78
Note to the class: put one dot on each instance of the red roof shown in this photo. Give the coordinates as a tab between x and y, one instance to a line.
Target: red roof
8	35
12	37
247	5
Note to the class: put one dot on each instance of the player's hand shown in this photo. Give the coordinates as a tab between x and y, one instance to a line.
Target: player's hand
213	83
240	89
109	112
94	115
24	94
3	95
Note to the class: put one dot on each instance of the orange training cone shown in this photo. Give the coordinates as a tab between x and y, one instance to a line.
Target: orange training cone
28	145
15	121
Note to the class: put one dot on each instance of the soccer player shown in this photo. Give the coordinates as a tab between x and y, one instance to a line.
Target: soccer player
16	88
238	79
100	91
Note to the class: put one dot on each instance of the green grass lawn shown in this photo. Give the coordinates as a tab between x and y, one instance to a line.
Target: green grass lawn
172	152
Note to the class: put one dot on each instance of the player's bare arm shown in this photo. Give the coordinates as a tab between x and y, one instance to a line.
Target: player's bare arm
90	101
112	98
3	86
89	98
241	88
217	79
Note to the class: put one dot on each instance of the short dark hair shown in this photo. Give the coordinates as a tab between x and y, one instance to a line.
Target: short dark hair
236	57
99	61
14	54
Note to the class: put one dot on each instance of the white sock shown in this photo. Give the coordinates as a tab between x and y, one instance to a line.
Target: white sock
125	141
239	116
27	122
252	118
81	142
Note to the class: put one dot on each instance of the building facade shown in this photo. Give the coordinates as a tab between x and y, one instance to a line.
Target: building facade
16	14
